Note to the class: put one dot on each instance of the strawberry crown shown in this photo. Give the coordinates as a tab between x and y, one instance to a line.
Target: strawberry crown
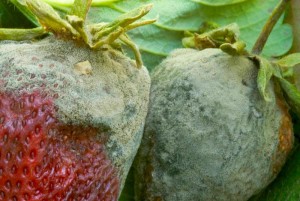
73	27
280	70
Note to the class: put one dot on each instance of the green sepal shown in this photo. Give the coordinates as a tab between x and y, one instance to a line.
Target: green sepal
265	73
289	61
225	37
292	94
50	19
237	48
21	34
267	70
124	21
107	33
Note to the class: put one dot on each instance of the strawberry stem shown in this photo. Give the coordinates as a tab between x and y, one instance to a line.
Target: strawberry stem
268	27
80	8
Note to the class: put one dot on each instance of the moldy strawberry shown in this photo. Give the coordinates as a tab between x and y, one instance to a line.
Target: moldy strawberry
218	126
72	107
42	159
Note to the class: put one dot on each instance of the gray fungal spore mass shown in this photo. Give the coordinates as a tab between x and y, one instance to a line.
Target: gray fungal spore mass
209	134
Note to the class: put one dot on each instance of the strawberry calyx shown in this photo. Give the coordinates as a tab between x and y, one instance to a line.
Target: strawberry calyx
227	39
73	27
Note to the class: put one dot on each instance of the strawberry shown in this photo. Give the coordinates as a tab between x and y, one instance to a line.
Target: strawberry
218	126
72	111
42	159
218	139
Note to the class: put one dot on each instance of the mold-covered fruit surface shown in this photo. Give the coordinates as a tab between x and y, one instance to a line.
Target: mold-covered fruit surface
42	159
209	134
71	120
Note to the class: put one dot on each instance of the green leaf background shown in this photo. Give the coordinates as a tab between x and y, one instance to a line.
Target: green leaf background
158	40
10	17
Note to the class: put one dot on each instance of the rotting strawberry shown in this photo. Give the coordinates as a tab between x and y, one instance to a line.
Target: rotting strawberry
209	134
42	159
218	126
72	111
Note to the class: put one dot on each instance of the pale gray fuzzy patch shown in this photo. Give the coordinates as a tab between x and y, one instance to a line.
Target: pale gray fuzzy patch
209	134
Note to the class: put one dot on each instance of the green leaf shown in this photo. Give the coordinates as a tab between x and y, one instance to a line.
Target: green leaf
289	61
292	95
188	15
157	41
218	2
286	186
265	73
279	42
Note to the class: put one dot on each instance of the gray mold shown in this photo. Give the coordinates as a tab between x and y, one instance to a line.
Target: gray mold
114	96
209	135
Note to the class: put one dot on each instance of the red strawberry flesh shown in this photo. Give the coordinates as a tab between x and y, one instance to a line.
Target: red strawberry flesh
43	159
